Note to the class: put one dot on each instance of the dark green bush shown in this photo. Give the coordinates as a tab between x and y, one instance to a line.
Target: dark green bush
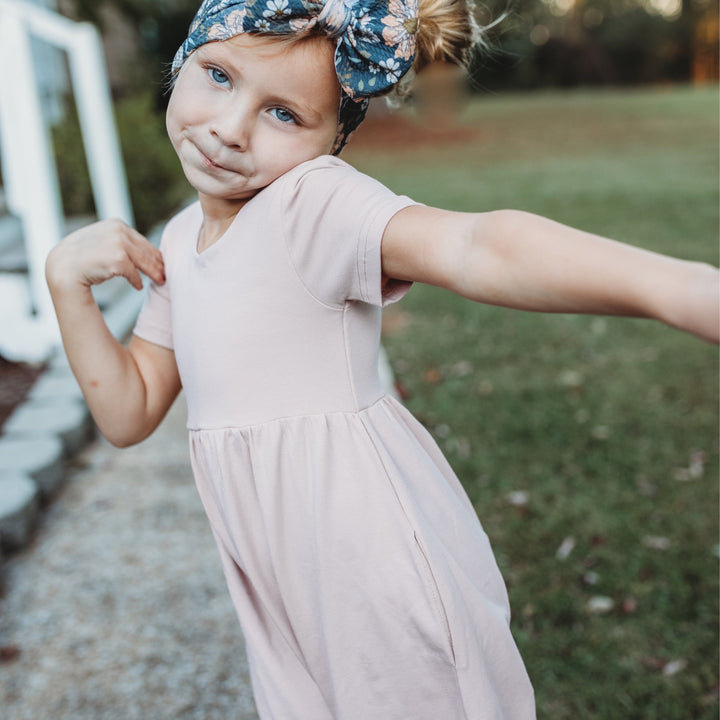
155	178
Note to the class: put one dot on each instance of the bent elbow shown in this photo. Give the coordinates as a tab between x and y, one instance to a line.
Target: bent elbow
123	437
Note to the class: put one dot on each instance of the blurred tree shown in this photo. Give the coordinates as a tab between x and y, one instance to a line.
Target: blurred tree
543	43
160	26
539	43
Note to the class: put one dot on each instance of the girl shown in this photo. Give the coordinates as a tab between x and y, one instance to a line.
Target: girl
364	583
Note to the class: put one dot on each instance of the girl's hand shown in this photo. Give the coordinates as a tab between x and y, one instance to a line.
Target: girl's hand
101	251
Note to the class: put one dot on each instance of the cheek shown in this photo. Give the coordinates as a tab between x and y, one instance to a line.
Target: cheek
178	118
171	120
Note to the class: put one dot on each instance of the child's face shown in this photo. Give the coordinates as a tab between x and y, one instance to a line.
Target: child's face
245	111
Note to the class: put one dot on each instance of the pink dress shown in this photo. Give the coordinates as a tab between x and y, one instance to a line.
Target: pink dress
364	583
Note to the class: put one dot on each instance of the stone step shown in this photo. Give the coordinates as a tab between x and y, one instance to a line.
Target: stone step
39	458
19	504
65	418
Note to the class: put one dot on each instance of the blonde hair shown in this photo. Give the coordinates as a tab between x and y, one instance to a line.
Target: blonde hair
447	32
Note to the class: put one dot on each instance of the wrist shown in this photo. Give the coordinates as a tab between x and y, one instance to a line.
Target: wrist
695	306
61	276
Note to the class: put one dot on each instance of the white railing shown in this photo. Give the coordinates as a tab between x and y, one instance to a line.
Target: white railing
28	330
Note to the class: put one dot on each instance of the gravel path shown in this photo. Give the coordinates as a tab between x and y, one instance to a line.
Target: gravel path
119	610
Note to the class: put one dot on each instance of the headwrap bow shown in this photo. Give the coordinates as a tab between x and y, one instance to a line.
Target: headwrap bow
375	40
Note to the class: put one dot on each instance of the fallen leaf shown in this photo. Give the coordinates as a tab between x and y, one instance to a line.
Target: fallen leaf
646	487
395	320
674	667
462	368
582	416
528	610
565	548
601	432
695	469
629	605
432	375
570	378
656	542
402	390
485	387
600	605
697	464
518	498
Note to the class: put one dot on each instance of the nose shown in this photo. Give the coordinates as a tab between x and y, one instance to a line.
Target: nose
233	127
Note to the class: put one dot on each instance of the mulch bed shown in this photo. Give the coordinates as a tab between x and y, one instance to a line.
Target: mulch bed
399	132
16	379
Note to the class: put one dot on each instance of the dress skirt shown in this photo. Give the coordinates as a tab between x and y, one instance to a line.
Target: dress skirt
364	583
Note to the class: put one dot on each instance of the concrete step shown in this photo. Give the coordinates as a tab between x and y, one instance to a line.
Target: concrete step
19	503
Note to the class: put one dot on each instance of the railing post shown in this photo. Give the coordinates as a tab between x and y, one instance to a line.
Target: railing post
28	329
93	100
29	165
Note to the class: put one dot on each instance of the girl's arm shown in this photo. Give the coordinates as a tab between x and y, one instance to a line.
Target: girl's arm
128	389
519	260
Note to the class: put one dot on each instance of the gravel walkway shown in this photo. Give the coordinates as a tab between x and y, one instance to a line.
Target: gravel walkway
119	610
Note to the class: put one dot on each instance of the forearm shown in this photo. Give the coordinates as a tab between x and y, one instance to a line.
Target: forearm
128	390
525	261
105	370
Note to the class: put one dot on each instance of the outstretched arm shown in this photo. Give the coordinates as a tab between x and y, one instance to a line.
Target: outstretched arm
128	389
519	260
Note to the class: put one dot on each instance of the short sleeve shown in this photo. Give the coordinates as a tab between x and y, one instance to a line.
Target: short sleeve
154	322
335	217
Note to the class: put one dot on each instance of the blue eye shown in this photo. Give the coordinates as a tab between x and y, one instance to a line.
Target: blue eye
283	115
218	76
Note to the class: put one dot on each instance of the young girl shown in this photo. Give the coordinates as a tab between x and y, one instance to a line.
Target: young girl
364	583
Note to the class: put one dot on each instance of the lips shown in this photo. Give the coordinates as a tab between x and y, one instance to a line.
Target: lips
208	162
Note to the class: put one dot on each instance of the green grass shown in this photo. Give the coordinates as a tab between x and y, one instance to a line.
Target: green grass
594	418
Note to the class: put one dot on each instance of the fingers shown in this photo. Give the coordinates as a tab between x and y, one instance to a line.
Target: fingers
145	256
133	277
134	253
100	251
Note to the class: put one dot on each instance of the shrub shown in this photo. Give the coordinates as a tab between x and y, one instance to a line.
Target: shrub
155	178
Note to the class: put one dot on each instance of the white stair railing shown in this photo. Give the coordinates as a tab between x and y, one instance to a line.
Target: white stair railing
28	330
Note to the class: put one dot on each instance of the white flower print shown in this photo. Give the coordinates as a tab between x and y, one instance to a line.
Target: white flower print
392	66
276	8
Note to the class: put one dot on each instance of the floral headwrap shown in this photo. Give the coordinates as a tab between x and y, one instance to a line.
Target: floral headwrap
375	40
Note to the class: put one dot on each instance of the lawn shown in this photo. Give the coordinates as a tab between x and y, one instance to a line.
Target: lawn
589	446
